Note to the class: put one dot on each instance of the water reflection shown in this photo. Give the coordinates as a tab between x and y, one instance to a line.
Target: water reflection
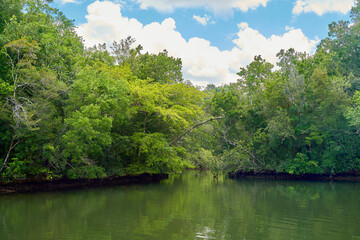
188	206
206	233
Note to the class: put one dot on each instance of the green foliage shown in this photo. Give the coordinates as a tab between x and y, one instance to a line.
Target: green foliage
353	113
88	172
16	170
8	9
107	90
279	128
291	119
154	154
343	43
204	159
176	106
301	164
89	113
5	90
254	75
88	133
159	68
98	54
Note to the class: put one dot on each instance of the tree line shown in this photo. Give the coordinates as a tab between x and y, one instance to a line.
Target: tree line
76	112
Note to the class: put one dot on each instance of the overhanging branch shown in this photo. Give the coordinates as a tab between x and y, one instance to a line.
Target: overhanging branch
176	140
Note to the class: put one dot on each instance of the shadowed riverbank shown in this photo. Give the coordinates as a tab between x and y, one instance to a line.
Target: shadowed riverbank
272	175
67	184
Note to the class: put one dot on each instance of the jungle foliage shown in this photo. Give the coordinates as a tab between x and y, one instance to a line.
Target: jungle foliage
93	112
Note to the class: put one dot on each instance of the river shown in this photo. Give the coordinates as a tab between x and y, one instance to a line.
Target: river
188	206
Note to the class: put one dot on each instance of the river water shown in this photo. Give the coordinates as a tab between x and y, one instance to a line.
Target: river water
188	206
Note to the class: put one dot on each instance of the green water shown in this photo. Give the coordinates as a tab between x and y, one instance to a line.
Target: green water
190	206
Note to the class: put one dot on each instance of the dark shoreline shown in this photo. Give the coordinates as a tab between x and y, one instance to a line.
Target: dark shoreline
30	186
70	184
272	175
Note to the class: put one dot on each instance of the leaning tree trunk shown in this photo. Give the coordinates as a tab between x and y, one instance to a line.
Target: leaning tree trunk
11	147
176	140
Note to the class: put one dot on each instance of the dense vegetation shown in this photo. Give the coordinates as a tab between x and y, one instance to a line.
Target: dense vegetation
83	112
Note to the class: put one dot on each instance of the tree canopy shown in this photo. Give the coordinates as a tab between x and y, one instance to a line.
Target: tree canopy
76	112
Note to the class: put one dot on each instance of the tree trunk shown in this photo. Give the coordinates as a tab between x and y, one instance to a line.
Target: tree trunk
11	147
176	140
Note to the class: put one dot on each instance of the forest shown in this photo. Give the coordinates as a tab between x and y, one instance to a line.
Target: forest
76	112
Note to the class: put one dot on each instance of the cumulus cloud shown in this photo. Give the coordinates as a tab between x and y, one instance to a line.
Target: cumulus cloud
250	42
202	20
215	5
203	63
321	7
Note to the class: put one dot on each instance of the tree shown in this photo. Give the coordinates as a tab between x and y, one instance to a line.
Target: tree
59	46
40	48
9	9
97	107
253	76
159	68
19	104
124	53
343	42
88	133
161	112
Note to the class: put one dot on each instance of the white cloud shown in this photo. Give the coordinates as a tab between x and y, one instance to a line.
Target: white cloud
202	62
322	6
250	42
202	20
215	5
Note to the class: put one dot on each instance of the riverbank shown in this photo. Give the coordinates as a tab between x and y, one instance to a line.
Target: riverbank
68	184
272	175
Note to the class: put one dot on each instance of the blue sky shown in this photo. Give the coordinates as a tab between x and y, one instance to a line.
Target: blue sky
214	38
